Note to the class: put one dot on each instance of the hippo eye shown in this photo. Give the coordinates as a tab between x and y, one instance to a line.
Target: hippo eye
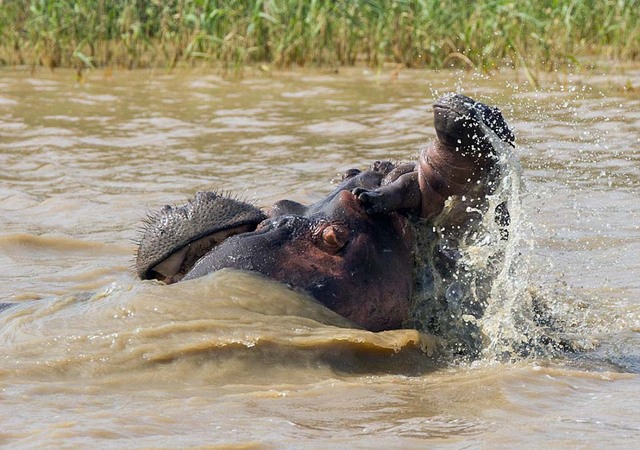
334	237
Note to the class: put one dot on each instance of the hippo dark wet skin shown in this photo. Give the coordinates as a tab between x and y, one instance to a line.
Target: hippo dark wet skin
355	250
332	250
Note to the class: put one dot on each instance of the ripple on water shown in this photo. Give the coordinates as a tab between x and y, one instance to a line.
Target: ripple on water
336	127
308	93
235	361
4	101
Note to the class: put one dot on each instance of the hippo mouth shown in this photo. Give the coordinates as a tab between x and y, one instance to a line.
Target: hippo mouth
175	238
173	268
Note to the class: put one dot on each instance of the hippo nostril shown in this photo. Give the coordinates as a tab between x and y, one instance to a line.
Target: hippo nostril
264	225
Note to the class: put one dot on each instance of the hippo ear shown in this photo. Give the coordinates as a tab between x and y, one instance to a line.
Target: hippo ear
334	237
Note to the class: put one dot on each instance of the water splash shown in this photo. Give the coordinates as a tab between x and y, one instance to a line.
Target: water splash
511	323
473	288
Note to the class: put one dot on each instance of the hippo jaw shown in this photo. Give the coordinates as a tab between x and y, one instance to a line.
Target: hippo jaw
357	265
174	238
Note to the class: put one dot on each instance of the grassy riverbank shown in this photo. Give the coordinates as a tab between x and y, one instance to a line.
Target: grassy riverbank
541	34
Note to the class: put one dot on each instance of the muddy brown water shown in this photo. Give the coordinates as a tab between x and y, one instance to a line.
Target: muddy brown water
90	357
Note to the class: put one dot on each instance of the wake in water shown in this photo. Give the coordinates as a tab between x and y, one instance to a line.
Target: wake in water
472	280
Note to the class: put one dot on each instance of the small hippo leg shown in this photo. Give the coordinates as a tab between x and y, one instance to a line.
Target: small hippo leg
398	171
403	194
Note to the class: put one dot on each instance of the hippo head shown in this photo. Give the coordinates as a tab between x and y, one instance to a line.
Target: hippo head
332	250
353	251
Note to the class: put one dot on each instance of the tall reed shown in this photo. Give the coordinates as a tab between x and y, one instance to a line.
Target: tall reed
544	34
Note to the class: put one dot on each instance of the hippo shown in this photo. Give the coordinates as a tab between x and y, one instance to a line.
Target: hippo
357	250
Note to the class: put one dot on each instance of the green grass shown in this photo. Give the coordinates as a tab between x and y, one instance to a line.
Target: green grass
540	34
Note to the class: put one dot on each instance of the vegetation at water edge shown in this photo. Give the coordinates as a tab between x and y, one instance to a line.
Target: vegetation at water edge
543	34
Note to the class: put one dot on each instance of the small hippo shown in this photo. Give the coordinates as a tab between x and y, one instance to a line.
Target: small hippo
356	250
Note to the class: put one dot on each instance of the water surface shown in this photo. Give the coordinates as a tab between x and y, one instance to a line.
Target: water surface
92	357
